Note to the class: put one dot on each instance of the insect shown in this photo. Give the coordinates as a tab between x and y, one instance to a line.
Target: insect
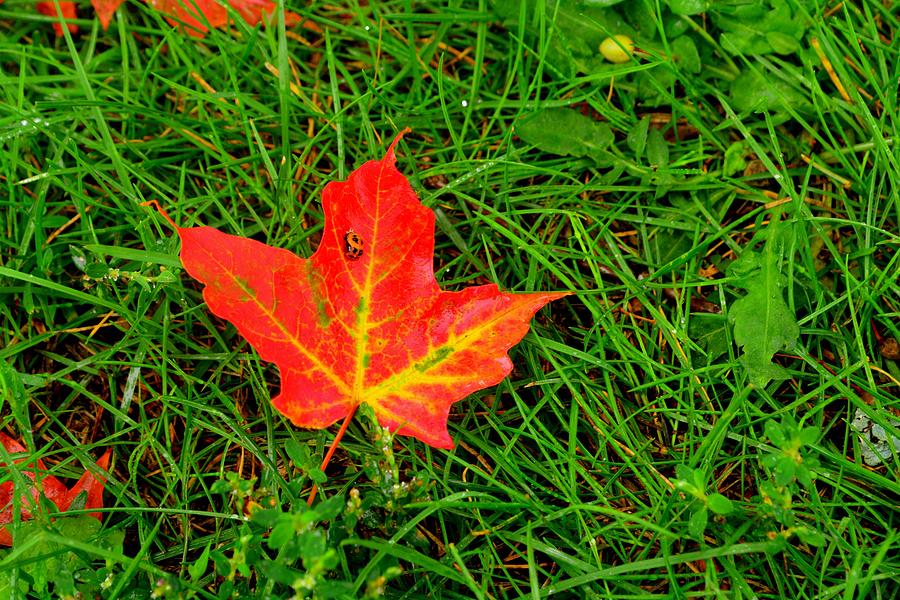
353	245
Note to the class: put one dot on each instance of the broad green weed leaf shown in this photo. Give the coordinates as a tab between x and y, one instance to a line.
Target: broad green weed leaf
671	244
312	545
657	149
735	158
654	86
637	137
300	456
330	509
49	563
686	55
282	533
785	470
810	536
697	522
316	475
197	569
699	477
775	433
754	29
298	453
744	42
566	132
684	472
809	436
276	571
782	43
719	504
752	91
709	331
687	7
763	323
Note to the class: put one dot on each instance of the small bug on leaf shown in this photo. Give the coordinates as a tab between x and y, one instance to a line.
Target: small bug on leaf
353	245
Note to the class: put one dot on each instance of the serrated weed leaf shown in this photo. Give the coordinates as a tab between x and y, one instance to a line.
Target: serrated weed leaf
763	322
566	132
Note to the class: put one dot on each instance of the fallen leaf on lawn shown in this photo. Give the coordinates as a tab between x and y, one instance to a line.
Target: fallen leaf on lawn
52	488
363	320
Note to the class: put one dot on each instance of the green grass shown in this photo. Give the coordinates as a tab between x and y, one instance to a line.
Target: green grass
563	481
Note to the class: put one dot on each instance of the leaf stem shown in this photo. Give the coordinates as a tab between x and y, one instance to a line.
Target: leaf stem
331	450
162	212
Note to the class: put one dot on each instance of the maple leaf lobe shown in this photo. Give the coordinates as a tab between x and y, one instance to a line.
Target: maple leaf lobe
374	328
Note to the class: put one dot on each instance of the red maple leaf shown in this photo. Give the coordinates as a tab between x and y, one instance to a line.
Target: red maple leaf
363	320
50	486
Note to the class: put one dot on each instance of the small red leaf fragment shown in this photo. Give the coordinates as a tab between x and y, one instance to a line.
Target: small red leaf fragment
363	320
90	484
50	486
68	12
105	10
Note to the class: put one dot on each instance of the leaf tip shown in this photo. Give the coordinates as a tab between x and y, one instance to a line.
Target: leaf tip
444	444
390	150
161	211
103	461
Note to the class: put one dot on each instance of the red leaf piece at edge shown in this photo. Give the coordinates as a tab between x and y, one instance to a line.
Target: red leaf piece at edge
68	12
105	10
52	488
363	320
188	13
